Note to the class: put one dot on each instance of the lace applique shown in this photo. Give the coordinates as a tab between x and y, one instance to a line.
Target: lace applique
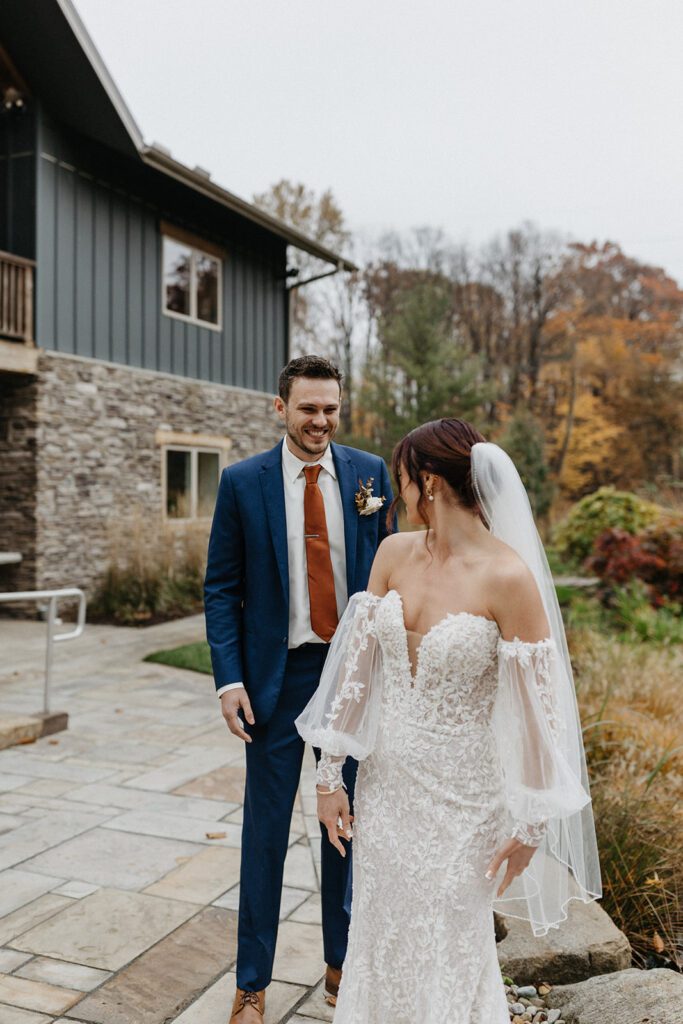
351	689
538	656
530	835
329	771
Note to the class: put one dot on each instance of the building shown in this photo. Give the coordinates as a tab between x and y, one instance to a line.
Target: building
143	312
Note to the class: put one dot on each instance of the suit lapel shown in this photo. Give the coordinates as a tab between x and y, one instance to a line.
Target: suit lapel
347	475
273	488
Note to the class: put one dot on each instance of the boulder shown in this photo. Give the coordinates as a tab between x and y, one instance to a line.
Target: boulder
587	943
626	997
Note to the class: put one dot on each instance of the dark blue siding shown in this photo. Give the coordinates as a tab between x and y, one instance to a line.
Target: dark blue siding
99	289
83	269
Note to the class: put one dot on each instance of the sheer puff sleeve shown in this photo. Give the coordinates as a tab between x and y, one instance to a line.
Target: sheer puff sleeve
342	716
538	739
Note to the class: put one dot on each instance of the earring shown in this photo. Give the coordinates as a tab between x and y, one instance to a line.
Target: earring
430	496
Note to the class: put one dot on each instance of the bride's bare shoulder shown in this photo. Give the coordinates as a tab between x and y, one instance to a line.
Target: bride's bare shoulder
513	596
392	552
506	572
398	546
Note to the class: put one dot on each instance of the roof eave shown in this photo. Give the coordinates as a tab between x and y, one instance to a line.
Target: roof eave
91	52
165	163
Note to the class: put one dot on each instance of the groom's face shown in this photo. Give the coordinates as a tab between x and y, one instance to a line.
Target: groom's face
311	416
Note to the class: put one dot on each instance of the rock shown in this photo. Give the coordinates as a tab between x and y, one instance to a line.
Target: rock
499	926
553	1016
16	729
625	997
586	944
529	991
517	1008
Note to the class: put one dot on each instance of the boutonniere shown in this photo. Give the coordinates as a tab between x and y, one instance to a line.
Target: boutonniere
366	502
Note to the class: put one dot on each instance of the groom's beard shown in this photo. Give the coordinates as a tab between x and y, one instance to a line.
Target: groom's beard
303	443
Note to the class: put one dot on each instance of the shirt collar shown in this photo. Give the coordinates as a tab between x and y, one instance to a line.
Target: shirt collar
293	467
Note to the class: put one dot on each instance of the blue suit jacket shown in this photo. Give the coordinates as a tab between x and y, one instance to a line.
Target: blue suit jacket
246	591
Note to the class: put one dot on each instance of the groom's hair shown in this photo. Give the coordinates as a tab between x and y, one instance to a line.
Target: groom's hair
307	366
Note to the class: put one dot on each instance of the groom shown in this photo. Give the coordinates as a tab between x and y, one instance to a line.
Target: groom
289	545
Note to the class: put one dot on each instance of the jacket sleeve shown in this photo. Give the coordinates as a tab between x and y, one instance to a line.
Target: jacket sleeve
224	587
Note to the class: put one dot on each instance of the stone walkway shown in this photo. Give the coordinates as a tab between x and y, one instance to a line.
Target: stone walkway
115	905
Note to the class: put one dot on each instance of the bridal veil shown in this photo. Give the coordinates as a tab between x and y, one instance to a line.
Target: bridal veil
537	726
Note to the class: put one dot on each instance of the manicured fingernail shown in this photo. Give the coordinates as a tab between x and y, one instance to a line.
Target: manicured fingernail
489	875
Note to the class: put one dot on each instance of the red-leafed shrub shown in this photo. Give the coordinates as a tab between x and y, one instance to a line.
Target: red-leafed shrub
665	542
654	556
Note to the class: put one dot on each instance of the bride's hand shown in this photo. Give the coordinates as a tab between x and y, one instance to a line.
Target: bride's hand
332	807
518	857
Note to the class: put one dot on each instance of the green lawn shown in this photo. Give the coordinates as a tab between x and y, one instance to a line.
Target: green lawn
193	656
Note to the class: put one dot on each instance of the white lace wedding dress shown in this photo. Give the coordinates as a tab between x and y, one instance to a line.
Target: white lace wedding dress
433	804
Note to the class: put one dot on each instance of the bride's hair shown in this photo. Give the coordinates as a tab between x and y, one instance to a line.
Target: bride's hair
442	447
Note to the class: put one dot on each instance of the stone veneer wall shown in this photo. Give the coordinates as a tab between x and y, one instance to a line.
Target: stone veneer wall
18	428
98	461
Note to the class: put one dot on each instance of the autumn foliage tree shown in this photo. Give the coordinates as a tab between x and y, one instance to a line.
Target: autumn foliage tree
612	396
531	336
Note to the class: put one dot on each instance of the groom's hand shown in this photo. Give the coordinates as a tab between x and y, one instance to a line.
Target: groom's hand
234	704
332	807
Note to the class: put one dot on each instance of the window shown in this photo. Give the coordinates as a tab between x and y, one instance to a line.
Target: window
191	283
191	482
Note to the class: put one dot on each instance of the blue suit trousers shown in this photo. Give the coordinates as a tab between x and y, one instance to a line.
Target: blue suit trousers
274	759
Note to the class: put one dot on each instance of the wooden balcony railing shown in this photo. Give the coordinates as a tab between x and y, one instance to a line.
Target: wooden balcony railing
16	298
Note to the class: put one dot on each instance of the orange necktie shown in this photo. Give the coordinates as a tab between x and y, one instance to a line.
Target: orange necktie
321	593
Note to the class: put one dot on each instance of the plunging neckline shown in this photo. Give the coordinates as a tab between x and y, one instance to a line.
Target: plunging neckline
441	621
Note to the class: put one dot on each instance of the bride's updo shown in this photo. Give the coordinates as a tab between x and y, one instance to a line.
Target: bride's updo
442	447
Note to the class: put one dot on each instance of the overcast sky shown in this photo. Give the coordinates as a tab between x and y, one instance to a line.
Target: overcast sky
470	115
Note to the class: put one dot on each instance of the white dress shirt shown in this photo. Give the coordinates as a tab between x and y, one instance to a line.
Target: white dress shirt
300	630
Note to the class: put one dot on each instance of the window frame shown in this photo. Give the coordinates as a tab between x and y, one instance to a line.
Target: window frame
194	451
196	248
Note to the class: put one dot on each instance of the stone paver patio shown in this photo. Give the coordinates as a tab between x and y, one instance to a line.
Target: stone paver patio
115	906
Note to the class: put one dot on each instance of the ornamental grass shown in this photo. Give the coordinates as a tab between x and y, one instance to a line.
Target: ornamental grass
155	572
630	700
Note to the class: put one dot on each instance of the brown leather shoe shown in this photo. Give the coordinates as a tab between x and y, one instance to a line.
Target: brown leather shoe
333	977
249	1007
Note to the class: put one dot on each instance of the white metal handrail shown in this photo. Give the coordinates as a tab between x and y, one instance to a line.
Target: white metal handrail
52	597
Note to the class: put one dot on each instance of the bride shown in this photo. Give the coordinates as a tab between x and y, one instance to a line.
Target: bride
449	680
